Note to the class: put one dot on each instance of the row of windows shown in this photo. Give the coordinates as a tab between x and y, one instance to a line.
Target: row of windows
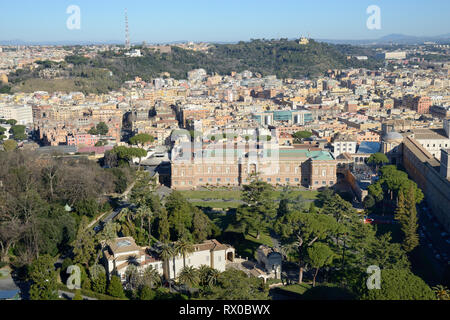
434	145
182	173
324	183
228	180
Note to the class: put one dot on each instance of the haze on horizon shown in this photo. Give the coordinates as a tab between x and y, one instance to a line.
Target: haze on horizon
214	21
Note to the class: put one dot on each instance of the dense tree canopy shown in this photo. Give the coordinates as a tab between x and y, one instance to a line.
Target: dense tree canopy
141	139
378	159
386	190
400	284
236	285
259	208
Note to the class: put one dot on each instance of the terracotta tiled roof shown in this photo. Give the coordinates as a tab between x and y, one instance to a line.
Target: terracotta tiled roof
210	245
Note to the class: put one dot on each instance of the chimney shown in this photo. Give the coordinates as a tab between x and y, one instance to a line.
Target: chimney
445	165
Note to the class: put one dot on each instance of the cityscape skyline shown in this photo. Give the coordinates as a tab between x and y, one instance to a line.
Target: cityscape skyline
226	23
191	151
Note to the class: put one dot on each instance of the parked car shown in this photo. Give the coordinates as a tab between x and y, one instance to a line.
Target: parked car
369	220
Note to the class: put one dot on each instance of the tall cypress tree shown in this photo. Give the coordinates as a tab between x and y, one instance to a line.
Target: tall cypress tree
407	216
163	227
115	287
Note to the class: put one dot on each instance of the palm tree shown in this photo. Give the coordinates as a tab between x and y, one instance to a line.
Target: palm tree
208	276
145	212
126	218
442	292
184	247
149	215
166	253
188	276
140	213
151	277
132	275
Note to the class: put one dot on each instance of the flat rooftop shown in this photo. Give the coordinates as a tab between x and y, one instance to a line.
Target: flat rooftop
429	134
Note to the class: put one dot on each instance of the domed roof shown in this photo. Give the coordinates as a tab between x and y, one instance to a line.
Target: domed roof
392	136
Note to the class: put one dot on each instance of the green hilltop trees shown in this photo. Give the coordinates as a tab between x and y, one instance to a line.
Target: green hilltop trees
283	58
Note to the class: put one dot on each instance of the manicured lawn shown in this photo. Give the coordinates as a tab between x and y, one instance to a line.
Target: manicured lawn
212	194
297	288
216	204
325	291
247	247
306	194
226	194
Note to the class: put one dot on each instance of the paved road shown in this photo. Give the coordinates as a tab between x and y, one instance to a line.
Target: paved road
434	236
112	216
116	212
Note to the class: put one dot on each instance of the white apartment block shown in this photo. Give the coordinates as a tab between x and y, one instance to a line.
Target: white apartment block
433	140
121	252
343	145
22	114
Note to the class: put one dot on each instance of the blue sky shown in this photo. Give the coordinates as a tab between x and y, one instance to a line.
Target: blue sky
225	20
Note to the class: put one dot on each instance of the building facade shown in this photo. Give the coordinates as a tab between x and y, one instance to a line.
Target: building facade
296	167
120	253
22	114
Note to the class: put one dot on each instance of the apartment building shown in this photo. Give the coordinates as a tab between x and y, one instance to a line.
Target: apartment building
344	144
418	103
22	114
367	136
192	112
53	124
82	140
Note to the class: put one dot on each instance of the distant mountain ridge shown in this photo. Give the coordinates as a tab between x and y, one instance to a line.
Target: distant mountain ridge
394	38
390	38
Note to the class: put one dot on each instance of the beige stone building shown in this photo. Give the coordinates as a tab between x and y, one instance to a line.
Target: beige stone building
235	166
120	253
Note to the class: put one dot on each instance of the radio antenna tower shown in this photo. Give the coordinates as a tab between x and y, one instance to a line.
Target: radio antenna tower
127	32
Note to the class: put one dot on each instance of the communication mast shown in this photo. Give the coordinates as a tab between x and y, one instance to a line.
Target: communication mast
127	32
